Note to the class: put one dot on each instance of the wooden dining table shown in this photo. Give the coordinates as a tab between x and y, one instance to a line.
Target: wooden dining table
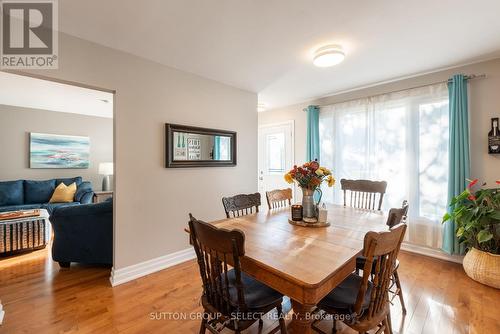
303	263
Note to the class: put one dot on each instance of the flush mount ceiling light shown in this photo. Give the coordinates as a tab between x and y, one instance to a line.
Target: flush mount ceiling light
328	55
261	107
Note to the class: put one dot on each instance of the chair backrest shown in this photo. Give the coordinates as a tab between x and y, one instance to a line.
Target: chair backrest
279	198
397	215
241	205
364	193
217	249
383	246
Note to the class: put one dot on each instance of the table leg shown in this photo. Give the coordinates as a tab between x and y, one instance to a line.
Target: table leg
302	318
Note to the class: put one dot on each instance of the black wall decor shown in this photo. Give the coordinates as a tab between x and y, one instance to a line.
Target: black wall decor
189	146
494	137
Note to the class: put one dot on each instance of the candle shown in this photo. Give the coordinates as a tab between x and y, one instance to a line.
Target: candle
297	212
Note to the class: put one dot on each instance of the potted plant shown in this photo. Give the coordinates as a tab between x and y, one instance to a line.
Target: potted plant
309	177
477	216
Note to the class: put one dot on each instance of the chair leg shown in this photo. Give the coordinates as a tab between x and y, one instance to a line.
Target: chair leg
334	328
389	320
400	291
281	320
387	329
203	326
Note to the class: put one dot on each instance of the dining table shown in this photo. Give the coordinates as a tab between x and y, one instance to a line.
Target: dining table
303	263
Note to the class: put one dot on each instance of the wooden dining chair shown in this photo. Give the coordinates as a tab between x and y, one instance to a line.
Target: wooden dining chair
231	299
364	194
279	198
395	217
241	205
362	302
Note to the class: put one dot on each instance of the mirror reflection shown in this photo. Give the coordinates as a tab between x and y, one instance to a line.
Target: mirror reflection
195	146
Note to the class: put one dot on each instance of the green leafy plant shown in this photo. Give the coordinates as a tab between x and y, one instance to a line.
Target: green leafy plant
477	216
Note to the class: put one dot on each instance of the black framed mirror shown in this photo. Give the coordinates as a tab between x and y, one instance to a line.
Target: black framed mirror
189	146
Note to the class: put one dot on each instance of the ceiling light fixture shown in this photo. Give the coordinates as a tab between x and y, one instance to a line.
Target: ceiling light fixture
328	55
261	107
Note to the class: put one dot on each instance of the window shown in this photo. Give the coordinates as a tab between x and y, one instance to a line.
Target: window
399	137
276	152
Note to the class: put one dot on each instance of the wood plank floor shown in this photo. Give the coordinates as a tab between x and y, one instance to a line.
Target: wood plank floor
38	297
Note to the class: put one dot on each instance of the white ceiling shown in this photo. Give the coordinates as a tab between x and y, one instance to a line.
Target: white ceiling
27	92
265	46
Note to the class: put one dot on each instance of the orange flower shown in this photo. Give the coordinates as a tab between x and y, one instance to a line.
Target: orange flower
314	165
315	181
472	197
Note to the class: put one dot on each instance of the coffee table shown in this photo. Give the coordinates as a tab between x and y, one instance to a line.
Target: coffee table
24	234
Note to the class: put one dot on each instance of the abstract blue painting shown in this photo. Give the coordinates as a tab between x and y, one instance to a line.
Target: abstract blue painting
59	151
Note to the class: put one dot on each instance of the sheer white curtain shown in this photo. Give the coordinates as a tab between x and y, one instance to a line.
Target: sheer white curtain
401	138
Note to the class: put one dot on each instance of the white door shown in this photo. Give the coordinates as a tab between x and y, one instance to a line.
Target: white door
275	156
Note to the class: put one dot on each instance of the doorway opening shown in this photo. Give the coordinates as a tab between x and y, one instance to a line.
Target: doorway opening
276	156
56	177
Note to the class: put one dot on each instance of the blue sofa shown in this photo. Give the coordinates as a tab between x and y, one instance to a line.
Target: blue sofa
30	194
83	233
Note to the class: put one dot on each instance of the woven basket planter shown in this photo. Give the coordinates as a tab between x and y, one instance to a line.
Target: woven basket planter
483	267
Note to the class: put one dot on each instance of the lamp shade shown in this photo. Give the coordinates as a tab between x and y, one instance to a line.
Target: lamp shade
106	168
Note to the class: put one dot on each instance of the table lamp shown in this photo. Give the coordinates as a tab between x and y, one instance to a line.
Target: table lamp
106	169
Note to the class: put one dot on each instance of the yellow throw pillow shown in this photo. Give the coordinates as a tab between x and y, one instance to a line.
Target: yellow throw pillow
63	193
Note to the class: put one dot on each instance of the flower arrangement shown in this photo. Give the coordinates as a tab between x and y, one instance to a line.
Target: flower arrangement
310	175
477	215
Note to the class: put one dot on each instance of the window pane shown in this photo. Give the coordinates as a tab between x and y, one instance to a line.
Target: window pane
390	152
275	144
433	159
401	138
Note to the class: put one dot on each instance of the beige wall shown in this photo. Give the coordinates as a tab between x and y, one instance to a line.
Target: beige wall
15	125
152	202
484	104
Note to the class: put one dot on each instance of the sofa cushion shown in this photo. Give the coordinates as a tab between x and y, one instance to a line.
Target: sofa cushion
19	207
70	180
11	193
63	193
38	191
51	206
84	193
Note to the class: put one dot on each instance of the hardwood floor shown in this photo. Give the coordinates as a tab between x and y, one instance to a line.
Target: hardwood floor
38	297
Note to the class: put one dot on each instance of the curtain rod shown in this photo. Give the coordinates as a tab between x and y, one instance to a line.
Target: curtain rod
467	77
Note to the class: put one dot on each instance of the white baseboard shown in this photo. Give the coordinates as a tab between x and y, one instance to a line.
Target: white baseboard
123	275
2	313
120	276
435	253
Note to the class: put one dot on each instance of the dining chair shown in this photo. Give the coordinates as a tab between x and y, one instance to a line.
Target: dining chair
396	216
241	205
231	299
279	198
364	193
362	302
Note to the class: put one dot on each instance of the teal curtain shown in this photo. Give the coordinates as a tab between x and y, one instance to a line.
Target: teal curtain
312	145
459	159
217	148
